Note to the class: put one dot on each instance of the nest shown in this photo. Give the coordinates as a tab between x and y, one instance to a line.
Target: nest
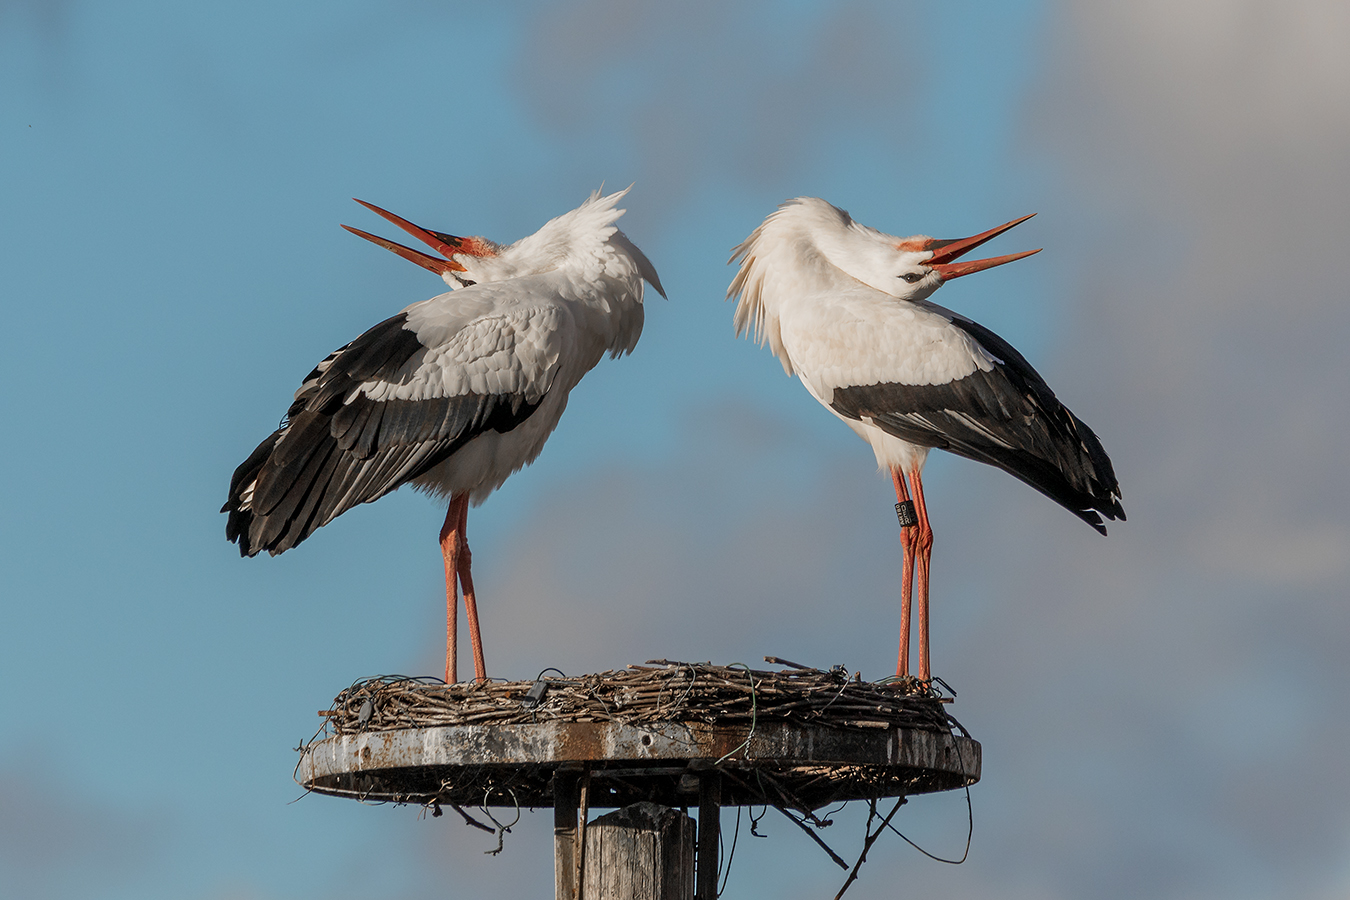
711	707
660	691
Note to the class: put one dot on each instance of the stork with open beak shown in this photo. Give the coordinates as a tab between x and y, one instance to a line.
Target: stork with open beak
453	394
845	308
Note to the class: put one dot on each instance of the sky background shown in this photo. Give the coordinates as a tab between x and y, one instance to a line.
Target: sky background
1164	713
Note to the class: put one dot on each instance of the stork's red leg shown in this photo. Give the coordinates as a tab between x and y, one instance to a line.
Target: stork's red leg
923	538
470	605
906	577
451	541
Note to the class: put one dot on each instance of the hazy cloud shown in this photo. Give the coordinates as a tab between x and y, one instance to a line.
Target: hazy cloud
54	842
704	92
1222	317
1213	142
49	19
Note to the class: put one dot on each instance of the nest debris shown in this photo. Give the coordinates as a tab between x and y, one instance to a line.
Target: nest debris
661	691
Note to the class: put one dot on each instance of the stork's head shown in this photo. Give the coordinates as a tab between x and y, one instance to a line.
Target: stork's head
463	261
808	246
579	238
908	268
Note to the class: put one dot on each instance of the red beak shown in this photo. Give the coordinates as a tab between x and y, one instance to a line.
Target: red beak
445	244
946	251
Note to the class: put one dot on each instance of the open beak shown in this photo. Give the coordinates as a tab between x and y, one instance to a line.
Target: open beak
944	252
445	244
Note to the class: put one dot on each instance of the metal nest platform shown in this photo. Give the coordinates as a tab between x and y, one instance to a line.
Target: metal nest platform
799	738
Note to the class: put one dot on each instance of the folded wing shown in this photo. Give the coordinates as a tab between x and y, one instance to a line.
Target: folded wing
379	412
1005	416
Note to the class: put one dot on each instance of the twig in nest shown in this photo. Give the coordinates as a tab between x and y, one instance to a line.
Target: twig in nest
778	661
676	692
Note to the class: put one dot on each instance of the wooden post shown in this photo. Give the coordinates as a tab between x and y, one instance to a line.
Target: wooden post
565	834
641	852
709	832
584	808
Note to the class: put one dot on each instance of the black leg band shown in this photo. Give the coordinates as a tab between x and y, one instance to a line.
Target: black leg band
904	511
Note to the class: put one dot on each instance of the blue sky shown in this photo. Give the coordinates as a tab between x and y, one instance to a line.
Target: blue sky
1164	712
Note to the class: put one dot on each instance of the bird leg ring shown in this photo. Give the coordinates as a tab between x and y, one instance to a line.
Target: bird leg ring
904	511
907	546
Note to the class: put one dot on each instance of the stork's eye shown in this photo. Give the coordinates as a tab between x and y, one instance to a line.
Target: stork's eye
464	282
912	277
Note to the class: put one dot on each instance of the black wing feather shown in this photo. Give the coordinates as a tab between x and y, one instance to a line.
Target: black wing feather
1007	417
335	449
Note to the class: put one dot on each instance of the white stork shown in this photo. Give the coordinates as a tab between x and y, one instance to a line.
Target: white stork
845	308
454	393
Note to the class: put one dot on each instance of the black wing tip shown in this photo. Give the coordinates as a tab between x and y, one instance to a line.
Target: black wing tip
1115	513
240	522
241	527
1091	517
237	528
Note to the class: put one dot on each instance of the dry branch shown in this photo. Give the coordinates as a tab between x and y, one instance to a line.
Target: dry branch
663	692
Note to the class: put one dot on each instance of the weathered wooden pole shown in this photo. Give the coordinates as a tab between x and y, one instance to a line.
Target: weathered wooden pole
709	831
565	801
641	852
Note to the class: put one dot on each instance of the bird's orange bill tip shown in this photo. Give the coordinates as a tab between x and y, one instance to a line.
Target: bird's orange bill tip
445	244
439	266
948	271
946	251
